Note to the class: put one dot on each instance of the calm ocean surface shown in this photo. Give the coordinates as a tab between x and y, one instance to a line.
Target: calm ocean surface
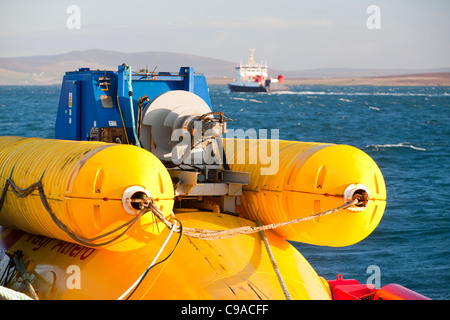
406	130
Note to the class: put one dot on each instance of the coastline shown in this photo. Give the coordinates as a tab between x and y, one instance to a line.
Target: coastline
420	79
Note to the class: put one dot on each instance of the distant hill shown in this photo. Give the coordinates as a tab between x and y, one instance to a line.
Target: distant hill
50	69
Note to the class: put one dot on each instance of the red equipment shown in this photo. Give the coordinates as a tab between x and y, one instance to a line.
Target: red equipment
351	289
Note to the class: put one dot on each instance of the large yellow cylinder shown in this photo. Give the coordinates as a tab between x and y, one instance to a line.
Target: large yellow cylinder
233	268
85	185
299	179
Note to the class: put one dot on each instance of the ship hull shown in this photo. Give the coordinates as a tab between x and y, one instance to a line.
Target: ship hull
235	88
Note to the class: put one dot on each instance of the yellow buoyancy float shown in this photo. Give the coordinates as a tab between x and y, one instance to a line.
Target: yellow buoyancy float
290	180
232	268
82	191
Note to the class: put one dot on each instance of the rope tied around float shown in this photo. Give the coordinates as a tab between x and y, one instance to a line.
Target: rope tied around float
206	234
147	204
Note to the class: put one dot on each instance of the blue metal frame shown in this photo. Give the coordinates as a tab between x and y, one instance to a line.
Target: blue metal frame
88	88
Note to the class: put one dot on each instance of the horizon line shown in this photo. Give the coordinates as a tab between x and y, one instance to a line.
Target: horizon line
227	61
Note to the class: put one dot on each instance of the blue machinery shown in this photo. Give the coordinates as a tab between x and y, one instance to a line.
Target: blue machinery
95	105
149	109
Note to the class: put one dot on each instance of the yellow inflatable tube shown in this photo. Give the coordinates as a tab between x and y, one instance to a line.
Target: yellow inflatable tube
299	179
229	269
86	186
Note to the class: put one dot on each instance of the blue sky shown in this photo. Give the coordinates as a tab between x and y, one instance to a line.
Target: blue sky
290	34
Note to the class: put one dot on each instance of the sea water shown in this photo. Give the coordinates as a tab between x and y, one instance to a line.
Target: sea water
406	130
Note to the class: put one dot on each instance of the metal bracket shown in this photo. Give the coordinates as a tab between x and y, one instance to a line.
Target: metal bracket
223	185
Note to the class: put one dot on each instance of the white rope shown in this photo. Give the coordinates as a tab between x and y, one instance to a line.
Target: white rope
151	264
274	263
9	294
205	234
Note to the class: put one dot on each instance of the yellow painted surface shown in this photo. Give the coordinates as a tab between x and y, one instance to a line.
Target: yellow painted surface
310	178
232	268
83	183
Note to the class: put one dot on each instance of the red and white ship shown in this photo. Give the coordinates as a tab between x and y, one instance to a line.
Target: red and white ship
254	77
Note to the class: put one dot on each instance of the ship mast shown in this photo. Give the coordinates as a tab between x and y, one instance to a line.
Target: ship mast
252	57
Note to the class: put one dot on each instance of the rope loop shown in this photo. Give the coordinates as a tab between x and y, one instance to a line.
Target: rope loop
205	234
